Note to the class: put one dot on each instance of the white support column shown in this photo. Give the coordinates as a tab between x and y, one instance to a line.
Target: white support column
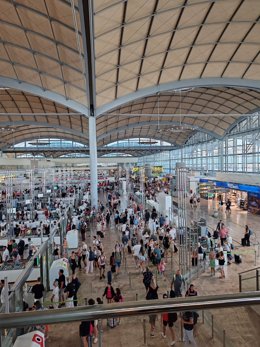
93	161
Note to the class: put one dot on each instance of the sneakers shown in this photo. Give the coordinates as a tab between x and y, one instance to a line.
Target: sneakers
152	334
164	336
172	343
95	340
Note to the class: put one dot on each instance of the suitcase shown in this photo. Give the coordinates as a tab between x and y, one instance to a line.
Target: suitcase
109	277
238	259
243	242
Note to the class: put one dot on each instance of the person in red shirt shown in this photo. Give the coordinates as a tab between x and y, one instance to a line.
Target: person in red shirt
169	319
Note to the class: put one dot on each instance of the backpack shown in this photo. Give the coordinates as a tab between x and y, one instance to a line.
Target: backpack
91	256
134	241
250	232
172	317
71	289
147	278
118	256
215	234
166	242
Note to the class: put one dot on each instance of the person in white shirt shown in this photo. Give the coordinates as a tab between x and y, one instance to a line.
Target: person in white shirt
3	289
136	251
95	242
55	295
6	255
99	227
172	233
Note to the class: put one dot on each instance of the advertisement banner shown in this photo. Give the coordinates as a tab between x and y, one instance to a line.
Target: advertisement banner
254	203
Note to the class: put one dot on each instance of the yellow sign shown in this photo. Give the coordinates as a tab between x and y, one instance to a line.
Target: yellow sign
157	169
135	169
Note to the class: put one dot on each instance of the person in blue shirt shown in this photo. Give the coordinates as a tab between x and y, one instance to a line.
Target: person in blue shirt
157	255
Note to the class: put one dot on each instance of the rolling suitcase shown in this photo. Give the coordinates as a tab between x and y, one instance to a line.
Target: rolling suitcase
243	242
109	277
238	259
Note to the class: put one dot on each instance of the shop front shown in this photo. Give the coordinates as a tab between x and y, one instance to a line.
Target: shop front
244	196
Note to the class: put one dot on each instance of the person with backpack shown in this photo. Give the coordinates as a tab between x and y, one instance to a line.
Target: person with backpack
147	277
112	263
152	294
75	284
90	263
21	246
70	291
166	245
168	319
118	296
247	235
147	216
177	283
109	293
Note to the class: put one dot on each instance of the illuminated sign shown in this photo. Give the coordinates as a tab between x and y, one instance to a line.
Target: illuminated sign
157	169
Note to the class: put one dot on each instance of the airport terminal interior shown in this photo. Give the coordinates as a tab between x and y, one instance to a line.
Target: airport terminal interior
129	173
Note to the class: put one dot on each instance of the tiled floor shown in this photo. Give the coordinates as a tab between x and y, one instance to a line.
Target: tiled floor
241	325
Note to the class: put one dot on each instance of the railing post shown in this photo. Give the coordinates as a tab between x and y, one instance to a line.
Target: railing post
212	326
240	283
130	281
6	296
89	340
255	257
171	260
202	316
181	328
125	263
100	333
257	280
224	338
144	329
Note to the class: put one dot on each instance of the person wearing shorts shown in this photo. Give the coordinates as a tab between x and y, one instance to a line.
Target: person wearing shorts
168	319
118	258
86	332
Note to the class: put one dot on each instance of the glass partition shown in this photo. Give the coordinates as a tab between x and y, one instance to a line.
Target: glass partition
217	327
249	280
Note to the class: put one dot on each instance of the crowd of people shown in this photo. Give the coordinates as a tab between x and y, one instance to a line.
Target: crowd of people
147	236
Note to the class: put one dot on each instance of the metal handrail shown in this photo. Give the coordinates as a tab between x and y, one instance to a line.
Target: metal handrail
90	313
254	269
